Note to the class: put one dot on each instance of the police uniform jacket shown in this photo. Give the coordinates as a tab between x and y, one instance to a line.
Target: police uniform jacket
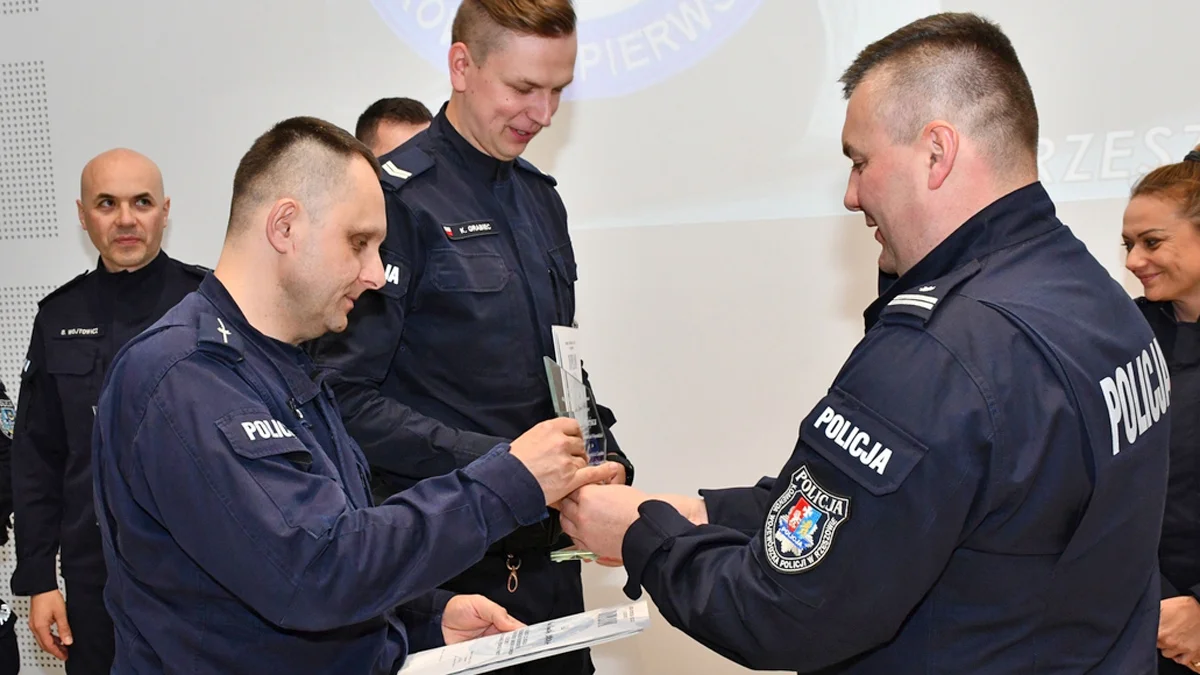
1179	549
236	520
978	492
77	330
10	659
446	360
8	418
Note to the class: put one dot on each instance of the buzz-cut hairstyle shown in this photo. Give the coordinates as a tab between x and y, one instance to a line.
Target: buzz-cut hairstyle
304	158
959	67
482	24
398	110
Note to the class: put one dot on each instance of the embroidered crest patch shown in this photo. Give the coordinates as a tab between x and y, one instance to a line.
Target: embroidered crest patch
8	417
802	524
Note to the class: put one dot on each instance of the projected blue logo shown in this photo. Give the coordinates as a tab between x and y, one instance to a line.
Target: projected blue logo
624	45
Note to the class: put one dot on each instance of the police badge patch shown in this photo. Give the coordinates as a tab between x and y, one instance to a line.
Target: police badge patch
802	523
8	417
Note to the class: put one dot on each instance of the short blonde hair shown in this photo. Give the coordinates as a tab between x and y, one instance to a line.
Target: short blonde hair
481	24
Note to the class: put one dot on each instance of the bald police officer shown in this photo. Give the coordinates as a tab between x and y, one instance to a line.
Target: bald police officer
78	328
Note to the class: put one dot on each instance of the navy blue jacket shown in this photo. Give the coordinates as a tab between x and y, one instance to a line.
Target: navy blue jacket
78	329
445	361
10	658
8	418
1179	549
980	491
236	520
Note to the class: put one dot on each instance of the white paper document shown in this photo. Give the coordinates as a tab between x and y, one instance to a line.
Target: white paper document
534	642
566	355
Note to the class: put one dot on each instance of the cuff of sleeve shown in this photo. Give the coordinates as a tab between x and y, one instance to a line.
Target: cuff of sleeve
1168	588
423	620
621	459
34	575
654	531
714	502
472	446
506	476
731	507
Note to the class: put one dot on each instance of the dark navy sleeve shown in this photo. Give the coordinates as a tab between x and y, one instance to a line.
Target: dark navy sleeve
859	525
285	541
1168	588
8	415
38	465
422	618
391	434
739	508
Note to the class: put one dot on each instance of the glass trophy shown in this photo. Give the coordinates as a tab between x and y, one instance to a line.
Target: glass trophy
572	398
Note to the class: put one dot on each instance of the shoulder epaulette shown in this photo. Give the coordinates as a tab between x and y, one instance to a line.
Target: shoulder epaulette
199	271
402	164
528	166
213	335
65	287
922	301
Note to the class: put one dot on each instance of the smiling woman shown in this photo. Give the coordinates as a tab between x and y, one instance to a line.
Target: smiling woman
1162	238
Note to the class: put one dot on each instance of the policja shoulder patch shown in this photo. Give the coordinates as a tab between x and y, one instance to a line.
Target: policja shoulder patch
802	523
8	417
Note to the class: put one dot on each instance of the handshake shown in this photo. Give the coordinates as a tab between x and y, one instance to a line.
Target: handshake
596	506
554	452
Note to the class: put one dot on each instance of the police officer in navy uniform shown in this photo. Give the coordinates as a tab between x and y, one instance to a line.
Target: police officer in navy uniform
446	360
980	489
10	656
234	509
1162	237
387	123
78	329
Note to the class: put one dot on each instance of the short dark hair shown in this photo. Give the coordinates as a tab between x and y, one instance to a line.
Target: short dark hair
479	24
954	63
399	110
296	157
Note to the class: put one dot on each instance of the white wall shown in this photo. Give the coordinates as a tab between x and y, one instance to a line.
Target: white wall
722	284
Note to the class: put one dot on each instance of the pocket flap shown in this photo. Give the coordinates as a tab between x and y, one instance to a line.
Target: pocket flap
564	260
467	272
255	434
76	360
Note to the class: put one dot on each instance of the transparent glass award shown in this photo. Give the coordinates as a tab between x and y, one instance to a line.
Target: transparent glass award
572	398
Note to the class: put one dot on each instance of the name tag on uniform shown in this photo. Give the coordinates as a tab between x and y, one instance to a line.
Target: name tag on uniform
474	228
80	332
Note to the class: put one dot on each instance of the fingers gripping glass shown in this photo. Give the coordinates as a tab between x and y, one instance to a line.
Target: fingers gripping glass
572	398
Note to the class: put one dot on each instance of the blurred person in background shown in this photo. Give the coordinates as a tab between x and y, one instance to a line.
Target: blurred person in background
10	656
1161	234
388	123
